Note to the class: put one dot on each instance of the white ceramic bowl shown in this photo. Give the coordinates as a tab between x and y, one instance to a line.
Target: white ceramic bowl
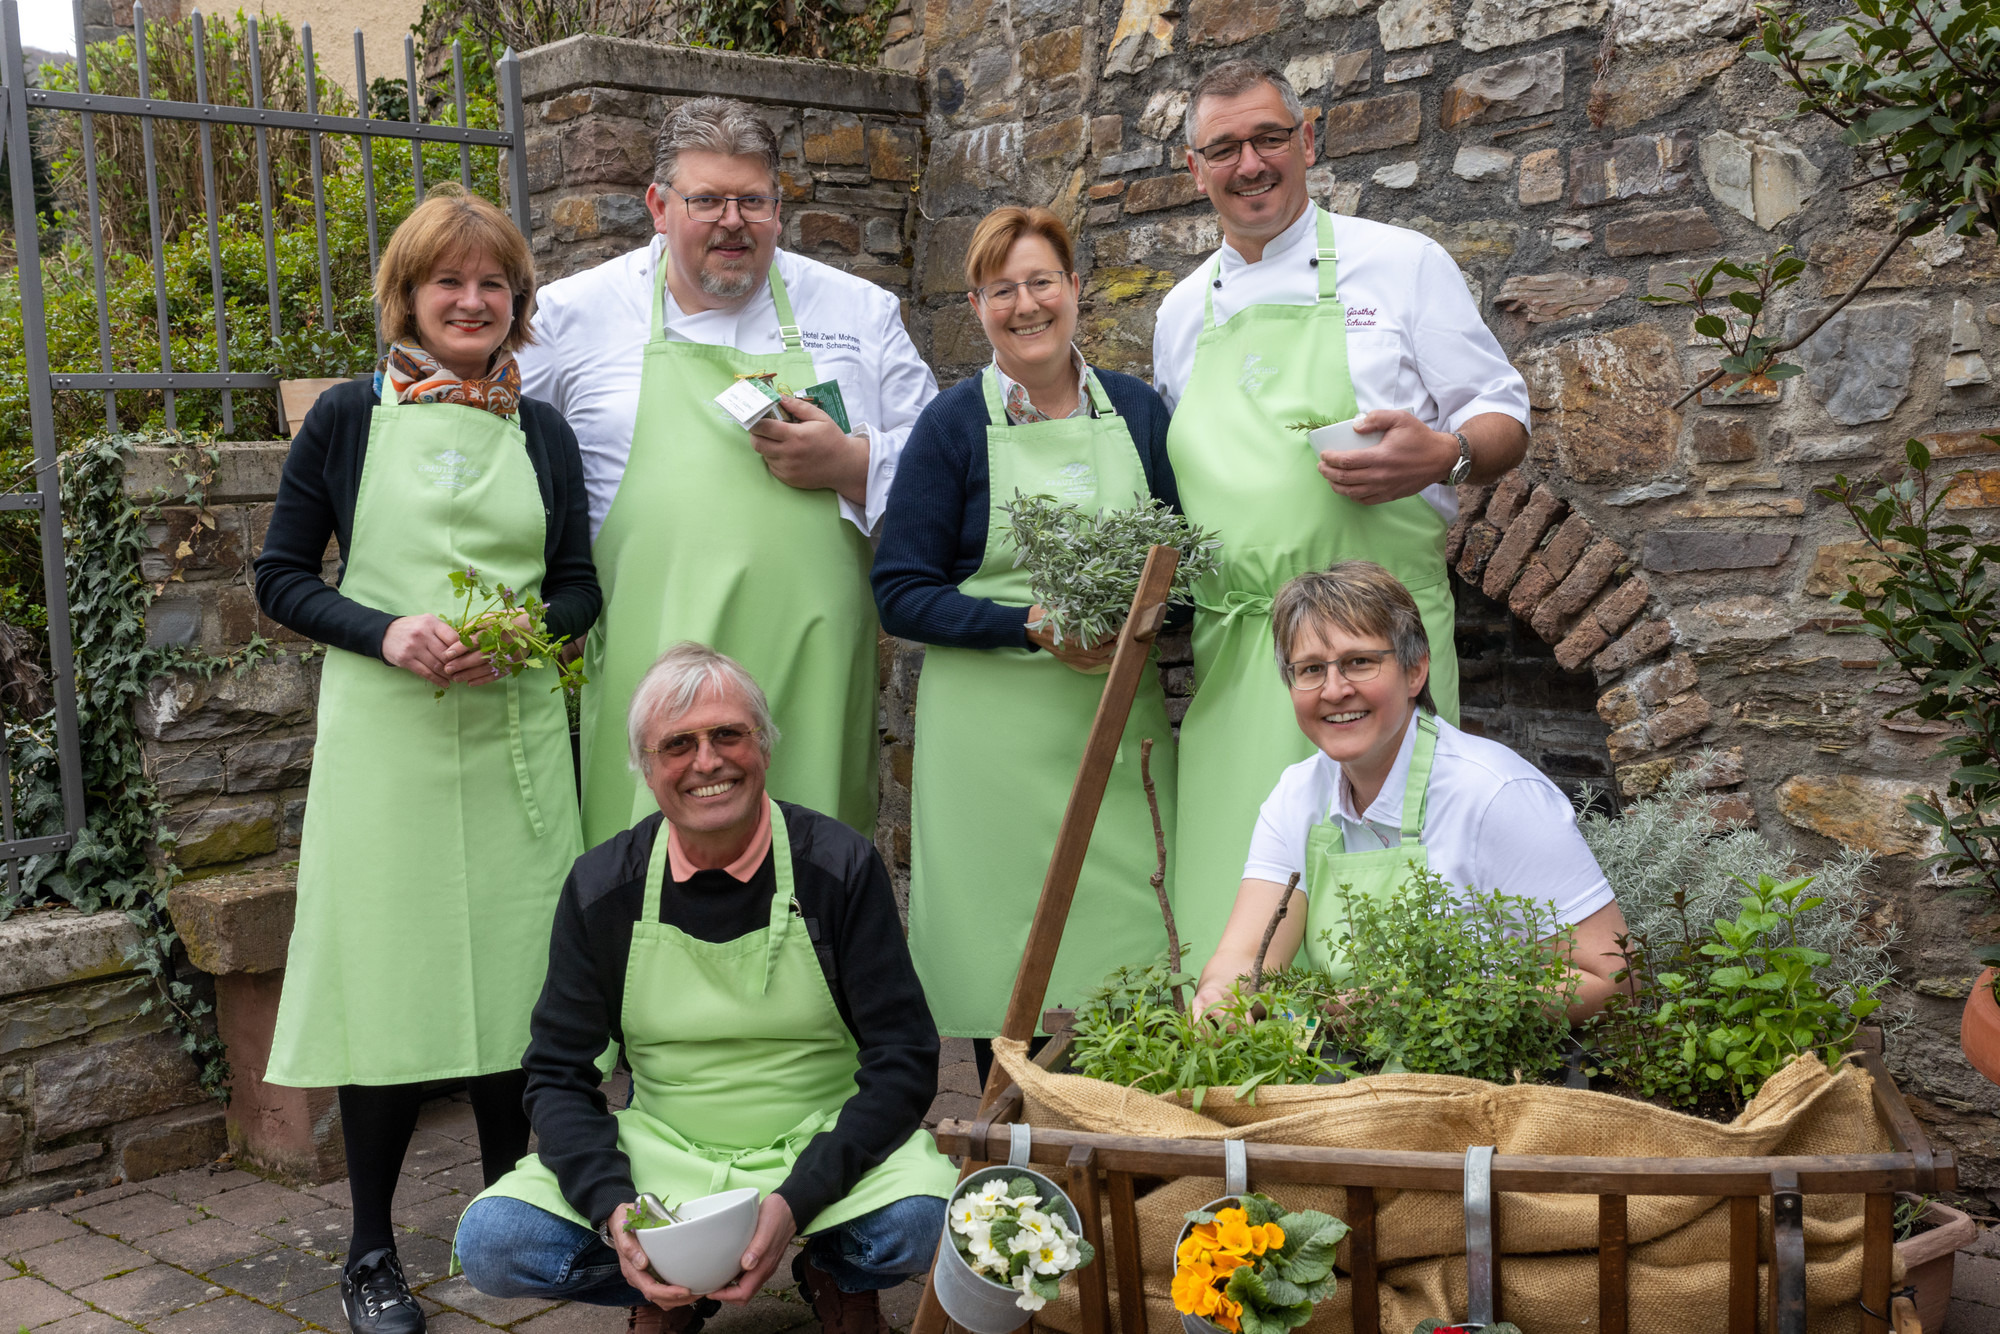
705	1250
1340	435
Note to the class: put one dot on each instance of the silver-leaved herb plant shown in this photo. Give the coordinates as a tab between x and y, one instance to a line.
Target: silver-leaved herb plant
1084	567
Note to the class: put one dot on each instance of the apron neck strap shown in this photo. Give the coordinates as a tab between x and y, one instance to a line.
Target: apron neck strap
788	325
1417	791
1323	262
784	897
781	856
996	405
1323	254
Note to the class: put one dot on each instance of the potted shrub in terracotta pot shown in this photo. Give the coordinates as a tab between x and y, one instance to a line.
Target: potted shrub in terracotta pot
1979	1030
308	362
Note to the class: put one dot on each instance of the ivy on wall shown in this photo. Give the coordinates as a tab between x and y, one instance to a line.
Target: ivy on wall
123	856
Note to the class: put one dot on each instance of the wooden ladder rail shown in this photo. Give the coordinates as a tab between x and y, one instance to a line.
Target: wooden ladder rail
1100	751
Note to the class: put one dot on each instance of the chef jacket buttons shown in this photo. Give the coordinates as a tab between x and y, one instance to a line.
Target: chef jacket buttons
1218	284
1313	262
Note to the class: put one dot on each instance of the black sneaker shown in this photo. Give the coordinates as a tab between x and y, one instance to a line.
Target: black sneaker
377	1297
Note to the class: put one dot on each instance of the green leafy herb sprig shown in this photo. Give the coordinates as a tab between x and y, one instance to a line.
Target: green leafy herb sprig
1129	1032
1277	1288
649	1211
1715	1013
489	621
1457	982
1083	568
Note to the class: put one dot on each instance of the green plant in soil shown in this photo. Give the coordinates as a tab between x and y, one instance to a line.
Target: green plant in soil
489	622
1083	568
1713	1013
1676	863
1454	982
1131	1032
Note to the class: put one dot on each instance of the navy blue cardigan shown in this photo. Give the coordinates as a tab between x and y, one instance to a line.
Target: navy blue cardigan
934	529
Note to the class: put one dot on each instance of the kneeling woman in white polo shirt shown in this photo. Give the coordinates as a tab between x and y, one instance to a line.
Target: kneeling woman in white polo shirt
1392	787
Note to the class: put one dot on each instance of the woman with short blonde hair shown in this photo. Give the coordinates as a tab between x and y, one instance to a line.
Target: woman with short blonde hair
442	817
1003	708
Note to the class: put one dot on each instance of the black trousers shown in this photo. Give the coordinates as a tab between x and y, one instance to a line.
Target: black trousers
377	1121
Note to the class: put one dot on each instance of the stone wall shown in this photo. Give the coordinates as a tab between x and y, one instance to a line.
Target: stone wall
92	1091
230	754
1670	564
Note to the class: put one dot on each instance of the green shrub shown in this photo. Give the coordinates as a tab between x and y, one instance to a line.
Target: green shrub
1677	866
1455	982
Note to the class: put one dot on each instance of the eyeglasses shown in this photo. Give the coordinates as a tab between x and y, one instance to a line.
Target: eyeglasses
710	208
723	736
1306	676
1042	286
1265	143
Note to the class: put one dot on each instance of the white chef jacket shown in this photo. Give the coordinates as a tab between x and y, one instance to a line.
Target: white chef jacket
590	341
1414	337
1492	820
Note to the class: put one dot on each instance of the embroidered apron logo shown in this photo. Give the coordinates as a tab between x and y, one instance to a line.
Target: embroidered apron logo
1256	373
1076	483
452	470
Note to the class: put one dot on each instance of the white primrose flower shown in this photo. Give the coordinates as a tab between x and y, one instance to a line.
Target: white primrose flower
1029	1299
1052	1257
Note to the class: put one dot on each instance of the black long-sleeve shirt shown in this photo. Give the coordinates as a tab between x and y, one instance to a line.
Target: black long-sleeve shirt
934	528
850	913
316	500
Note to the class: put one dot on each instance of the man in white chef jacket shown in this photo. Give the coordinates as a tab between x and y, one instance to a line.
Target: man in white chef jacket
1305	317
754	541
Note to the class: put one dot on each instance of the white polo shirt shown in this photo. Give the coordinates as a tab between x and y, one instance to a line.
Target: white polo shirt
1492	820
590	340
1415	340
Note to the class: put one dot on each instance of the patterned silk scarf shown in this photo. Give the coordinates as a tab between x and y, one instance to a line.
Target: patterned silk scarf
415	376
1021	411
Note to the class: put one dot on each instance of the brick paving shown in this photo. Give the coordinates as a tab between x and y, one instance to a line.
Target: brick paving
218	1250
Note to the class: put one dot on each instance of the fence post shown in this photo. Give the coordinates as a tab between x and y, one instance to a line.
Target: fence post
41	412
511	120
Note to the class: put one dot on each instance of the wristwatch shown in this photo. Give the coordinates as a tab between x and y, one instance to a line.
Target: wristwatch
1463	468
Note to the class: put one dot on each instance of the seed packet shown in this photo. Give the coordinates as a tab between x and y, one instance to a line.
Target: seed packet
827	398
748	401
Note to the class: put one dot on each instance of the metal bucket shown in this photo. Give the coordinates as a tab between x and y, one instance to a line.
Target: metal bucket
971	1299
1236	1180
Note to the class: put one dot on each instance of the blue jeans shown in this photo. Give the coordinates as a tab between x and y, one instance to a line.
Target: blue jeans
510	1248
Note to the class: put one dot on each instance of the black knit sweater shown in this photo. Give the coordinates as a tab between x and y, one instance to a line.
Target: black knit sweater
849	912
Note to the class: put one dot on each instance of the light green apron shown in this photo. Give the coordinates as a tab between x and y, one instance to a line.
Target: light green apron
703	543
1333	874
1245	473
1000	733
438	831
739	1057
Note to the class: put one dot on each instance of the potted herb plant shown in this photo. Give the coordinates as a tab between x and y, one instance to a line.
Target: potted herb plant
1979	1029
1929	1235
1246	1265
1012	1234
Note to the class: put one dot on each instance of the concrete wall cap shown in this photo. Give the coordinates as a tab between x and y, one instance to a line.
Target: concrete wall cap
238	923
52	949
591	61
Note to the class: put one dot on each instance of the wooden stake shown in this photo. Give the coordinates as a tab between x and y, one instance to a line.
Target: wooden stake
1271	930
1093	775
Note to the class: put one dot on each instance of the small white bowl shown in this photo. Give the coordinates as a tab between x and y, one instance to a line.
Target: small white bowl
1340	435
704	1251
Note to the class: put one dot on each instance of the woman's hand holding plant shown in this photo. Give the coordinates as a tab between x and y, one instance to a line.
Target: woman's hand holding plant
1089	659
467	666
424	645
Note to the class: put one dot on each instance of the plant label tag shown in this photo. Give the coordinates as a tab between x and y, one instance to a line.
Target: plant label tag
747	402
827	398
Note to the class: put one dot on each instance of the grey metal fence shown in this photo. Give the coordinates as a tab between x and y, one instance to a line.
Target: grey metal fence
17	100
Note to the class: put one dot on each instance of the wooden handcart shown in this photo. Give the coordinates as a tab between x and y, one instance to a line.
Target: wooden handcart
1104	1170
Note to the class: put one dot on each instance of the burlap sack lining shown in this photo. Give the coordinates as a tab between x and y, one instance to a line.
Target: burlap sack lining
1679	1245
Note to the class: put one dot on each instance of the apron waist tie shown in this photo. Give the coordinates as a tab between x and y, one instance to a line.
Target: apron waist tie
519	749
1236	602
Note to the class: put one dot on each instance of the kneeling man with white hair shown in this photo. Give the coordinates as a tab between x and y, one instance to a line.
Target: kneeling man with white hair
747	955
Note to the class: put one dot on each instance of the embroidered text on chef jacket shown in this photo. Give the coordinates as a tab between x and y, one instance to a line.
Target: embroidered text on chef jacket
589	348
1414	337
1492	820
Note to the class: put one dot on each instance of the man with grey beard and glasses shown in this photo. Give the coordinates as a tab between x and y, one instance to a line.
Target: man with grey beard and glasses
756	541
